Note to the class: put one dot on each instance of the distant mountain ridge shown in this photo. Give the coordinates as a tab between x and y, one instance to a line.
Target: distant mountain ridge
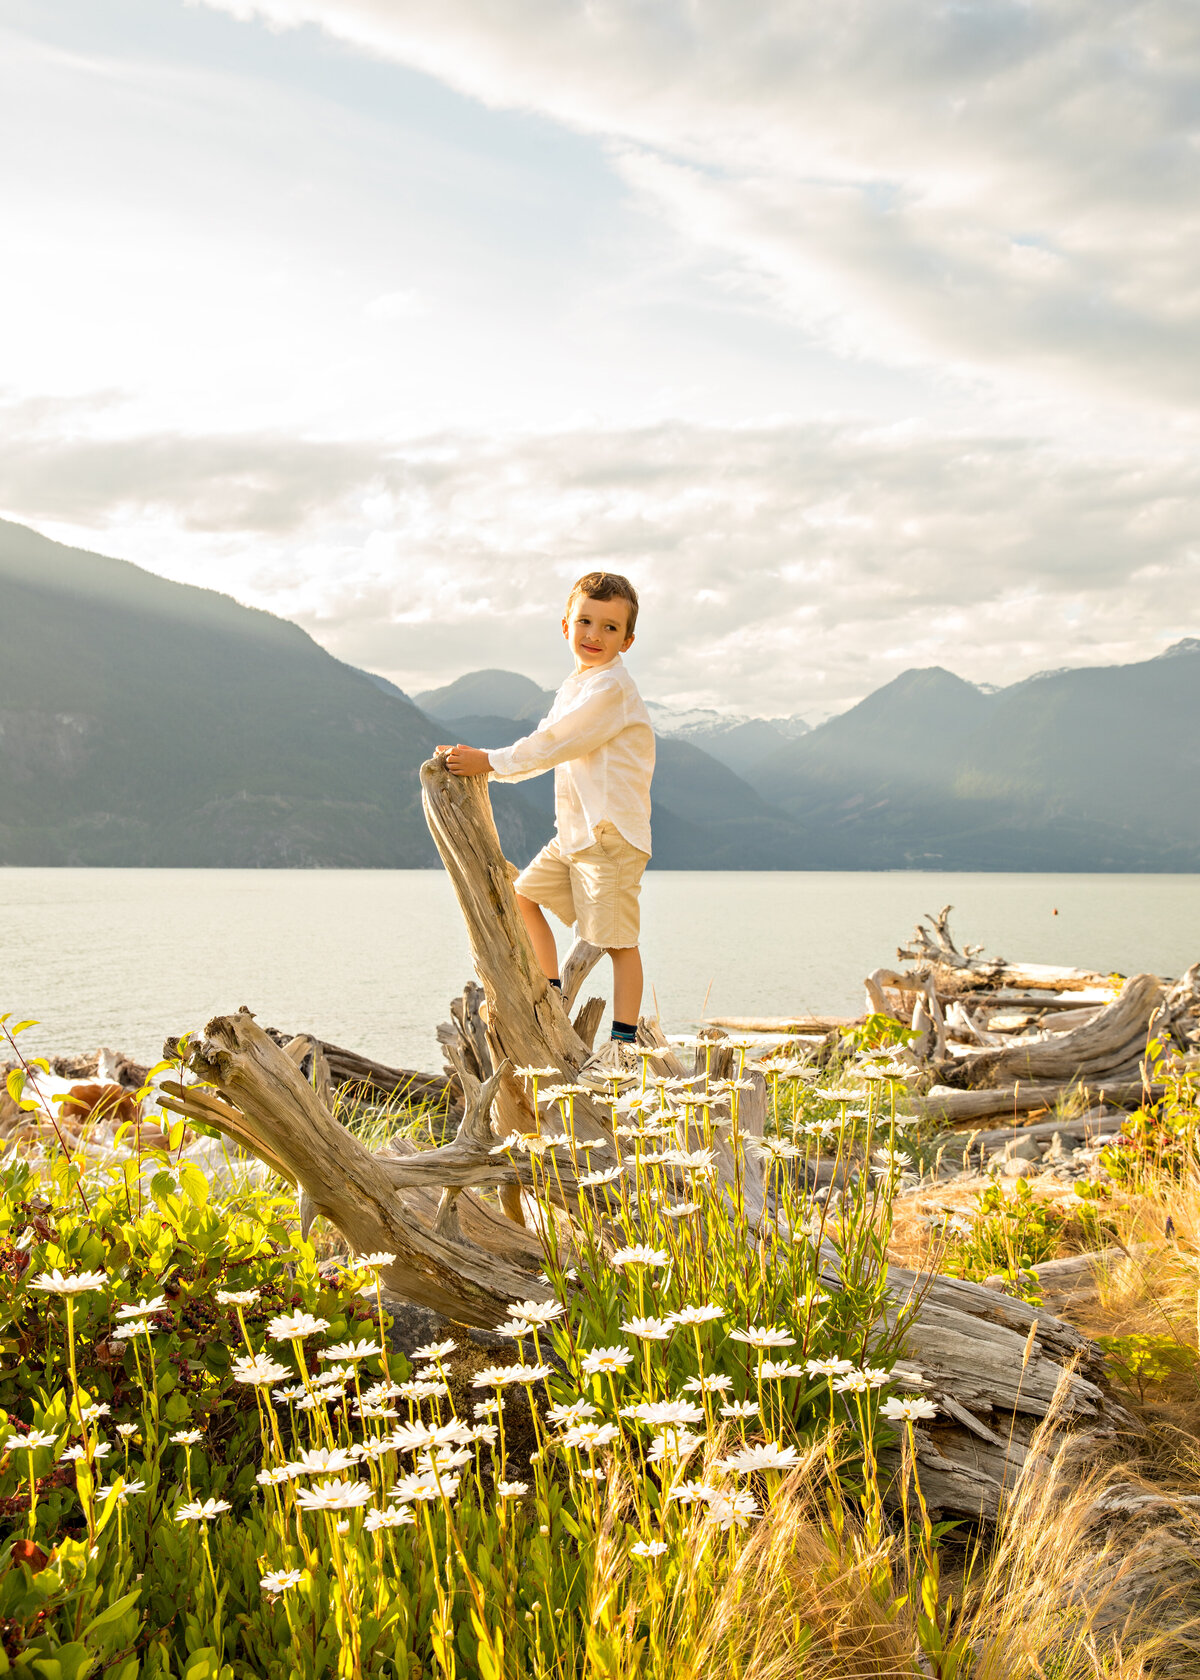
1084	768
145	722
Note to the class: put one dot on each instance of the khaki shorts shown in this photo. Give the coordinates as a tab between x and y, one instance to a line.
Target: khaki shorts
595	890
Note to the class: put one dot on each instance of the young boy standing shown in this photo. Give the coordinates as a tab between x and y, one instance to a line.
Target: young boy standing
598	740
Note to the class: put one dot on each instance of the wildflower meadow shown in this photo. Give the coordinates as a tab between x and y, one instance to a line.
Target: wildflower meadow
696	1456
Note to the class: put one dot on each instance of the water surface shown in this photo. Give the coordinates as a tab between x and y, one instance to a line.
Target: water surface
371	958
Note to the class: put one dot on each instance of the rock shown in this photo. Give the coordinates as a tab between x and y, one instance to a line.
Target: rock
1018	1167
414	1327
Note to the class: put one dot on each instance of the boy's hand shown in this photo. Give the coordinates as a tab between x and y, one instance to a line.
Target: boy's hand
466	761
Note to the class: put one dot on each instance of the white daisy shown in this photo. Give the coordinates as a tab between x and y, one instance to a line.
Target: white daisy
202	1510
767	1456
287	1327
611	1359
648	1329
763	1336
334	1495
907	1408
641	1254
280	1580
703	1314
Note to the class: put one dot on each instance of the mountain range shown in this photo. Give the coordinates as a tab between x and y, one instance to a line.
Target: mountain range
145	722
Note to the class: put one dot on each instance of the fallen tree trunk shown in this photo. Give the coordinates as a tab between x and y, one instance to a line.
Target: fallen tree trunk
963	1107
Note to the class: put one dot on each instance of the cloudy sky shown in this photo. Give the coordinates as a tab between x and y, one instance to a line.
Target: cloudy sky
861	337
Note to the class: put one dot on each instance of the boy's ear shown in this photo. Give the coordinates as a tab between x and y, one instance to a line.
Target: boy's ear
566	627
628	642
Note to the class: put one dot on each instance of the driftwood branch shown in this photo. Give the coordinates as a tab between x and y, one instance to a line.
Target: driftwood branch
277	1113
580	960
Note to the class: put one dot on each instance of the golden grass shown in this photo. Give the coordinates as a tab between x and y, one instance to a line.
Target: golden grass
820	1594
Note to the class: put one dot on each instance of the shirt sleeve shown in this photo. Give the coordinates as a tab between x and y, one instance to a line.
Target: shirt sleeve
599	716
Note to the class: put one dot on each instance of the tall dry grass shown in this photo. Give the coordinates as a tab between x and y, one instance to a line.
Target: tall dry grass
823	1592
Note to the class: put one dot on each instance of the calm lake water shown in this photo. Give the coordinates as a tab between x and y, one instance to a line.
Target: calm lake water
370	959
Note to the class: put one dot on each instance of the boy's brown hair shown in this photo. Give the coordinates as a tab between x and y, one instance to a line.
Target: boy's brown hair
607	586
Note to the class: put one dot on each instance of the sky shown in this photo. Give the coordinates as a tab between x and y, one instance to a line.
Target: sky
860	337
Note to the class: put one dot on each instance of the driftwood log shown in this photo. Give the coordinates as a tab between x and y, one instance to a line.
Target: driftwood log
382	1083
801	1024
961	1108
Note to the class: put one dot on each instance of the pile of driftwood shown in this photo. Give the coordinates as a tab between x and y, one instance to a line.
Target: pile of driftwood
994	1037
994	1365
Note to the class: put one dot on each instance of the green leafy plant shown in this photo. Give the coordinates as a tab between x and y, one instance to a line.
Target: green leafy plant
1145	1361
1010	1232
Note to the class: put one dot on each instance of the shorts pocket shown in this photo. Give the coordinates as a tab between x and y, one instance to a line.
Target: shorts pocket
608	838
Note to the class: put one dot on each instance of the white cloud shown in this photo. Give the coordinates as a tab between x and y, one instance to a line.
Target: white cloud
782	567
403	305
1004	187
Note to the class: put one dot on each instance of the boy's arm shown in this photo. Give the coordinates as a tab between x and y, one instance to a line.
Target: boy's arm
596	719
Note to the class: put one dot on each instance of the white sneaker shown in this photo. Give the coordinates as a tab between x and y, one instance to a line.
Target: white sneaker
613	1063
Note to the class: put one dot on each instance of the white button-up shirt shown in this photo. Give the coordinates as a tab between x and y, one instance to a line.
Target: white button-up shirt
598	739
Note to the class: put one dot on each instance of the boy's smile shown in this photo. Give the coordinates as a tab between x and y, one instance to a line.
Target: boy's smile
595	631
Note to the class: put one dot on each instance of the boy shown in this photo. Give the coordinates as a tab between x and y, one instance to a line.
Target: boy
598	739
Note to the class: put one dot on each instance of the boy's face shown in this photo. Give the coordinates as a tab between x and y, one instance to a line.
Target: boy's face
595	630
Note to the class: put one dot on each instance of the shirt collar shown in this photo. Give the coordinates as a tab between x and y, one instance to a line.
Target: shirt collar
614	664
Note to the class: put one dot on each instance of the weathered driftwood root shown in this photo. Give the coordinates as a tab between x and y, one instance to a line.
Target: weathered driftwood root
1110	1046
454	1254
469	1268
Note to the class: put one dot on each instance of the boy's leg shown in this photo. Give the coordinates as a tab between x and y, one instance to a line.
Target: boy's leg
627	984
541	936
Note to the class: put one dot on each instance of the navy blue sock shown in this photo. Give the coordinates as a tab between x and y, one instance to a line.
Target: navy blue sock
557	983
624	1032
